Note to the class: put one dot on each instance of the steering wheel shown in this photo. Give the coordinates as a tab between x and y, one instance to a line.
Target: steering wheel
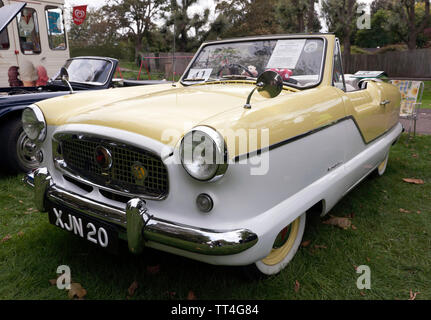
231	65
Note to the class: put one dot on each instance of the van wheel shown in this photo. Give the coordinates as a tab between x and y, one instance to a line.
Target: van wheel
20	152
283	250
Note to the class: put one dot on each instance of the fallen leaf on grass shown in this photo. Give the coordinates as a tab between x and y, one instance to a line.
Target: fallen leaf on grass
368	259
20	234
343	223
413	295
153	269
30	211
414	181
404	210
362	293
191	296
132	288
418	212
354	227
53	282
306	243
316	246
77	291
6	238
297	285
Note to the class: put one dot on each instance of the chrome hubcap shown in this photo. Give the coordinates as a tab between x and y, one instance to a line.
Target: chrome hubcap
27	152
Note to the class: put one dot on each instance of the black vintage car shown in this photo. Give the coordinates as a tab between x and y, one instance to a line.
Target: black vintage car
84	73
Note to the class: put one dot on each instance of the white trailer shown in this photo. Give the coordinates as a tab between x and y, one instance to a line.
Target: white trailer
37	34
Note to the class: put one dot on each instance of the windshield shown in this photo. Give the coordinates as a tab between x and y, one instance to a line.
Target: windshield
90	71
298	61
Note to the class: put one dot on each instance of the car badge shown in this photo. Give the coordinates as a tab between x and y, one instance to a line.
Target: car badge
103	158
139	172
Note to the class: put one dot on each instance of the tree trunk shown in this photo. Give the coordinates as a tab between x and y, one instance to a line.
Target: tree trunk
138	48
412	41
300	18
310	16
346	54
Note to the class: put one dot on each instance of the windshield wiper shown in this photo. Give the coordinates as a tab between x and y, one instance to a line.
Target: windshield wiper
194	79
238	76
200	79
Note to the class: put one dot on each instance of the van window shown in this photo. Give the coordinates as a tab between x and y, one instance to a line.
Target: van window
28	29
4	37
56	30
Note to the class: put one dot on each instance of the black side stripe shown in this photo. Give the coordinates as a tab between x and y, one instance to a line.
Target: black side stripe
303	135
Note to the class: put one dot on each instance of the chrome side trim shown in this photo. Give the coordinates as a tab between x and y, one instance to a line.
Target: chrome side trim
141	226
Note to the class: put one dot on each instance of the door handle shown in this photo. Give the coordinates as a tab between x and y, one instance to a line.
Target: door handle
385	102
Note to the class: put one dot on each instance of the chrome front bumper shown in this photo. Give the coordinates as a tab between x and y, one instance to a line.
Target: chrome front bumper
139	223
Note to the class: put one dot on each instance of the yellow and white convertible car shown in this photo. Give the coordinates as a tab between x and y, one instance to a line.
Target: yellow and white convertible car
223	165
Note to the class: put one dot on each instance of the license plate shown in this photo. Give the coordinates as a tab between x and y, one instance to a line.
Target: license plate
85	227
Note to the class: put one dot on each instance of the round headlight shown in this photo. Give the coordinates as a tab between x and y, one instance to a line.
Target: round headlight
33	123
204	154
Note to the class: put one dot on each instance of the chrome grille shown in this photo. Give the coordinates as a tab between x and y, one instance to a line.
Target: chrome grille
78	153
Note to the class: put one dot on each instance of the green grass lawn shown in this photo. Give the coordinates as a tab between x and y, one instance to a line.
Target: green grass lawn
394	244
131	72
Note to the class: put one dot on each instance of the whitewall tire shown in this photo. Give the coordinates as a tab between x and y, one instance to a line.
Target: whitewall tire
284	249
382	166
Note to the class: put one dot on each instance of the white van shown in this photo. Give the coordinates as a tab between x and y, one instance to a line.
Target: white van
38	34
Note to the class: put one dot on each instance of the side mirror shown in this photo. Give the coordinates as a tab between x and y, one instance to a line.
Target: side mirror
269	85
64	76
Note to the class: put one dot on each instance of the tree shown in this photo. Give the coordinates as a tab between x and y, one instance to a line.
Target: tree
94	31
189	30
249	17
233	11
409	20
298	16
340	18
379	35
135	17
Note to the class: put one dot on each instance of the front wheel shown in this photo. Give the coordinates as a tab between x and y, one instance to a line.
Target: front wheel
20	154
284	248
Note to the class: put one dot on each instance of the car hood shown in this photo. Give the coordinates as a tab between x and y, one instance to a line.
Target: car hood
8	13
152	111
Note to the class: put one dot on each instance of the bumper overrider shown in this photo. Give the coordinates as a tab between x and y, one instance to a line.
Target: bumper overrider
140	224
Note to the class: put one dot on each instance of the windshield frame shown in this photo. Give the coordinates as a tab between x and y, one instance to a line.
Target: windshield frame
261	38
94	84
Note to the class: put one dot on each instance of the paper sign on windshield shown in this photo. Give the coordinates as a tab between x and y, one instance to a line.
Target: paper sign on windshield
286	54
199	74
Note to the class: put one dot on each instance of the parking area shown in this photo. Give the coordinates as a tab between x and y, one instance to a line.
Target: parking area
423	124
